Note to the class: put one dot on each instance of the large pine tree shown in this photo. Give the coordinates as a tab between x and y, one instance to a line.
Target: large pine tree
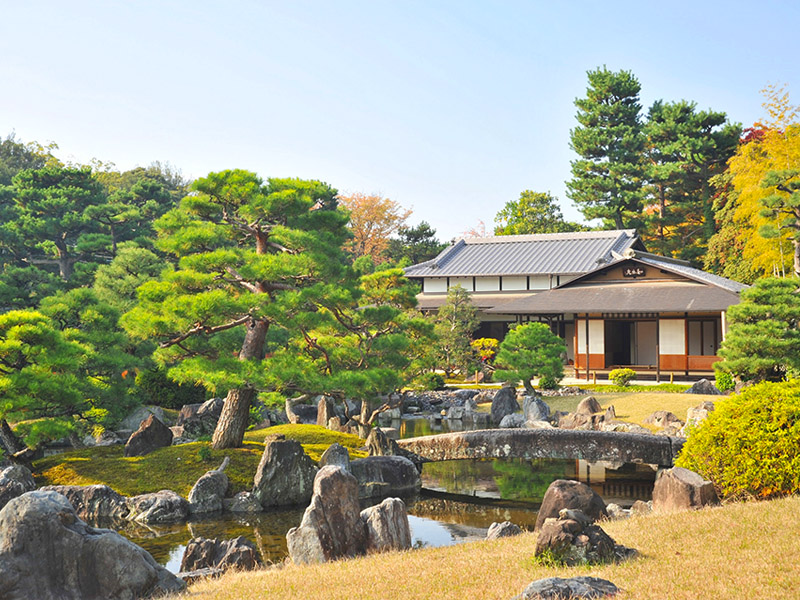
607	178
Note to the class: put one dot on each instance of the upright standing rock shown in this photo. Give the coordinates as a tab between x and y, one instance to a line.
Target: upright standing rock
331	527
151	435
207	494
387	526
48	553
681	489
336	455
285	475
504	403
563	493
325	410
535	409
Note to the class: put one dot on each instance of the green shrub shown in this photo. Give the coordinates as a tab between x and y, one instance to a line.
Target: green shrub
158	389
622	376
724	381
428	381
204	453
548	383
750	444
530	350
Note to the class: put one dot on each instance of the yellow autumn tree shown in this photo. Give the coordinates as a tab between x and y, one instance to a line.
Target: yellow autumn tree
373	219
776	147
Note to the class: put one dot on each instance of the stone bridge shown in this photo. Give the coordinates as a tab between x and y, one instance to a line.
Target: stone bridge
546	443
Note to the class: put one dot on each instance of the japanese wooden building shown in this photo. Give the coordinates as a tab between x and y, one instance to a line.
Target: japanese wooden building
627	308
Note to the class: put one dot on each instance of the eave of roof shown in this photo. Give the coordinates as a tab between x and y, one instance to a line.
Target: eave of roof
623	298
481	301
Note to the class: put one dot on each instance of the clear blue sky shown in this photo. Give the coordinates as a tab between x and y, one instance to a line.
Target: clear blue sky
450	108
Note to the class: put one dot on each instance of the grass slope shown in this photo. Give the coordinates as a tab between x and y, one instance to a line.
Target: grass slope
179	467
743	551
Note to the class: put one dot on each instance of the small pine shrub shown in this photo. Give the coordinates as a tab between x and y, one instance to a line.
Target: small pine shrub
622	376
204	453
724	381
429	381
548	383
748	447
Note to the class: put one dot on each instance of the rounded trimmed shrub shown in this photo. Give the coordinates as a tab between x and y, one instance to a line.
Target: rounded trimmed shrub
622	376
750	444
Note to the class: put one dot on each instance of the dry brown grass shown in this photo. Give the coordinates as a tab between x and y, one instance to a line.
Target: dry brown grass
740	551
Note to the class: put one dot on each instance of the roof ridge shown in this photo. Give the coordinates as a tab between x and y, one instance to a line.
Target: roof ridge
535	237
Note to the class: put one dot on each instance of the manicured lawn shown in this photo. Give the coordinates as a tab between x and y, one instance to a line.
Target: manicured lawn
742	551
178	467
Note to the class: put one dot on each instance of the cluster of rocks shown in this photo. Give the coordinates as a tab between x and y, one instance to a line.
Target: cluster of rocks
335	527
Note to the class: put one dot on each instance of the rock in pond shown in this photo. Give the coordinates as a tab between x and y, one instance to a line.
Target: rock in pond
514	421
93	502
151	435
238	553
563	493
243	502
285	475
164	506
48	553
15	480
208	492
381	476
331	527
535	409
681	489
559	588
387	526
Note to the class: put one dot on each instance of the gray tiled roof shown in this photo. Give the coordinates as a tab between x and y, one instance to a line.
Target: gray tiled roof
539	254
691	272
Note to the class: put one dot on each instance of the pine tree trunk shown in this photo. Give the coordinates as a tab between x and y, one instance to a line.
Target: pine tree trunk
232	423
9	439
796	258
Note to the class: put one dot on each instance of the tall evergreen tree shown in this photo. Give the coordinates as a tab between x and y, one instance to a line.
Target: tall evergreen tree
249	253
607	178
685	149
534	212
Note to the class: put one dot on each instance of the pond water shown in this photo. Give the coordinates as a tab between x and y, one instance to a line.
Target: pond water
459	501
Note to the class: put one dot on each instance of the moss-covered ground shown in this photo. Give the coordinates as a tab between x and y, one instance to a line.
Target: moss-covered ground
178	467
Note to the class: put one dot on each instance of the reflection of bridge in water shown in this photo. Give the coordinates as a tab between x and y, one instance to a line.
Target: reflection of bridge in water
593	446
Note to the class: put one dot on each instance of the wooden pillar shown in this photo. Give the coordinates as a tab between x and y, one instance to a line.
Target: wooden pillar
658	349
686	340
587	346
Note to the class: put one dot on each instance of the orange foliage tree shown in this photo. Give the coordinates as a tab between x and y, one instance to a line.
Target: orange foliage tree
373	219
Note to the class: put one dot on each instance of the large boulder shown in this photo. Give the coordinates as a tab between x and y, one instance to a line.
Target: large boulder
387	526
558	588
93	502
238	553
164	506
704	386
285	475
304	414
575	495
331	527
588	406
379	444
204	420
504	403
135	418
335	455
187	412
382	476
48	553
151	435
681	489
535	409
15	480
504	529
208	492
